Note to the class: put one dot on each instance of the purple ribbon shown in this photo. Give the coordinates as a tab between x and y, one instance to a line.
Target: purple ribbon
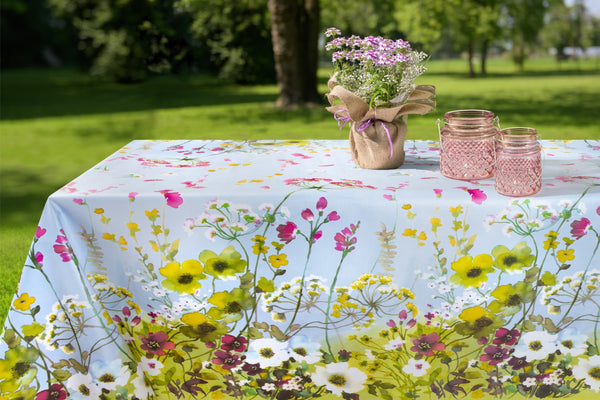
342	119
372	120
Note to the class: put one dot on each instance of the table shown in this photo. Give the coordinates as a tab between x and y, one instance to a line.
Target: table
280	270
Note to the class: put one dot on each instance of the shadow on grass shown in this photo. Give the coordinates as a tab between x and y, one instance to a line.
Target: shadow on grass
22	196
34	93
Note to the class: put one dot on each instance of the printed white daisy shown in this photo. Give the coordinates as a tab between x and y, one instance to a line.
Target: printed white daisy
109	375
416	367
394	344
302	349
339	377
536	345
81	387
151	366
142	390
267	352
571	342
589	371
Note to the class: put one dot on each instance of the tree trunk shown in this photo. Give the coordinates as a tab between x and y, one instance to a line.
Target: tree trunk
295	33
470	51
484	52
284	33
309	56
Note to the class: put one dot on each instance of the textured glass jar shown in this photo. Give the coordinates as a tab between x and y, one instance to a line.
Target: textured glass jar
467	144
518	162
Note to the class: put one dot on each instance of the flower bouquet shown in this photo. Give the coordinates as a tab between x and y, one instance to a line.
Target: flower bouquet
374	80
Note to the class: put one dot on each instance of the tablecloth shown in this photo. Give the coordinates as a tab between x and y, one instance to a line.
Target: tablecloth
280	270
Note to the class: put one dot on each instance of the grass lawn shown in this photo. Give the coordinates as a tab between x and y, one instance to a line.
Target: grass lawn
55	124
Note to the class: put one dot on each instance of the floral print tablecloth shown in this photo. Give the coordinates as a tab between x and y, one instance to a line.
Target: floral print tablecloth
280	270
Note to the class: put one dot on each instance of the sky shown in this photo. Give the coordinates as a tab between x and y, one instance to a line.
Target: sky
593	6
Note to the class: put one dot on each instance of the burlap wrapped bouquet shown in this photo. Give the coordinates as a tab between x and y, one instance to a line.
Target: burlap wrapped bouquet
377	134
373	89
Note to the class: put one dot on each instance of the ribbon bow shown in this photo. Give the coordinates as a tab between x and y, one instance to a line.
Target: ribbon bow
343	119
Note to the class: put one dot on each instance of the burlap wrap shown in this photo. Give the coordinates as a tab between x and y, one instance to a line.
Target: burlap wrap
369	141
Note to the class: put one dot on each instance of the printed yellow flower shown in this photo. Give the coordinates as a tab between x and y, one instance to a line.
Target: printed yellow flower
108	236
182	278
229	306
456	211
133	228
152	215
278	260
551	242
18	368
472	272
201	327
478	322
259	245
510	298
565	255
24	302
514	260
406	207
225	265
409	232
435	223
99	211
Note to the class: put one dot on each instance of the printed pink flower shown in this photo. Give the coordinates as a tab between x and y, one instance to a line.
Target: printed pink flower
438	192
226	360
598	210
78	201
505	336
157	343
39	258
287	232
308	215
173	198
62	248
39	232
234	343
388	197
345	240
56	392
317	236
333	216
427	344
132	195
580	228
494	355
321	204
477	195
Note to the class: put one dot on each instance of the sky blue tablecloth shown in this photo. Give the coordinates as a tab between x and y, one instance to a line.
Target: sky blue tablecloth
280	270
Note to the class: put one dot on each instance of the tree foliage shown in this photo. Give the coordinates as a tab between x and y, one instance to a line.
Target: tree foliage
237	36
127	39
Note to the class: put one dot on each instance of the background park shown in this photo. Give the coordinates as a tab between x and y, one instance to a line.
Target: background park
81	79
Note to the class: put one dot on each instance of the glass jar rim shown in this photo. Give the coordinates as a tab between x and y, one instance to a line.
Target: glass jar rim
469	117
518	134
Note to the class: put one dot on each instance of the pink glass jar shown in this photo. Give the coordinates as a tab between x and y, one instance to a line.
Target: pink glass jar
518	162
467	144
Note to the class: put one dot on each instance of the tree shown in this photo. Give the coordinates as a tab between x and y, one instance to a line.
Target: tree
125	40
525	20
237	36
295	32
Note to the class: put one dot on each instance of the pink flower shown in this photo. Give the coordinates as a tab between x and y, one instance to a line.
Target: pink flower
39	232
388	196
226	360
345	240
157	343
333	216
287	232
173	198
438	192
477	195
598	210
427	344
317	236
402	315
39	258
308	215
391	323
132	195
580	228
55	392
494	355
78	201
235	343
505	336
321	204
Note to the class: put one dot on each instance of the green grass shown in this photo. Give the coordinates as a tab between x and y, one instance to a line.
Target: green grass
55	124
